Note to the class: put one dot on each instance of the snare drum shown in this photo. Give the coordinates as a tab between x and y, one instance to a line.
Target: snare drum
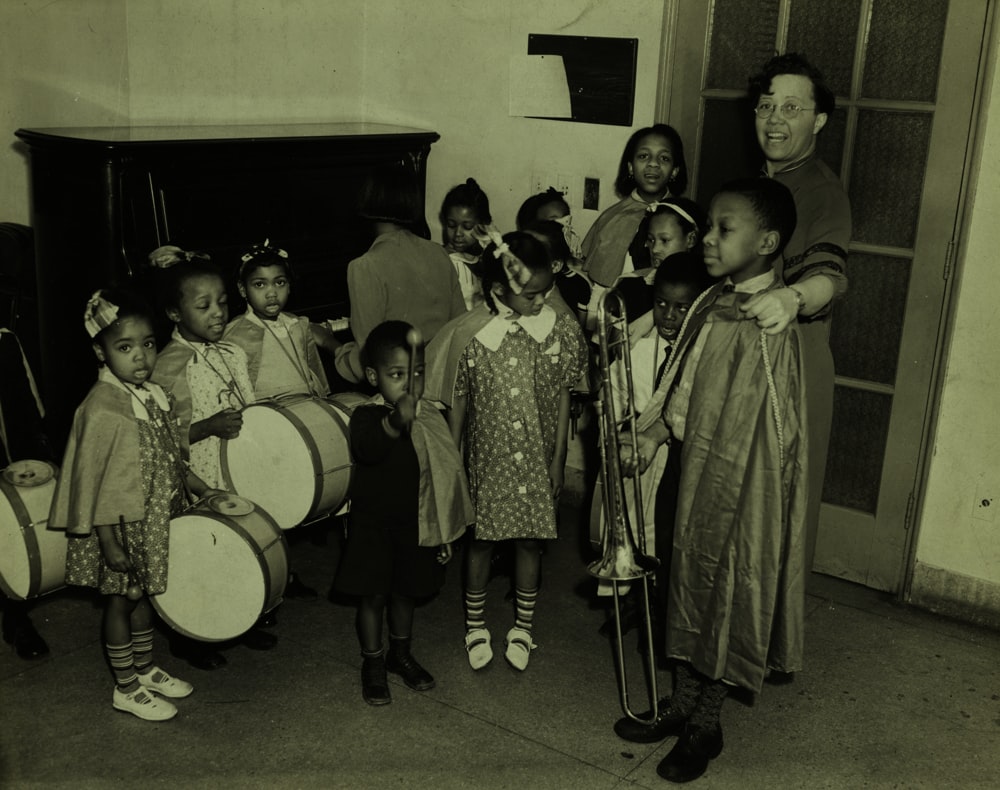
228	565
32	558
293	456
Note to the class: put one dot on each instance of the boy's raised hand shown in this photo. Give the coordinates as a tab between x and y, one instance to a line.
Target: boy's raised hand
405	413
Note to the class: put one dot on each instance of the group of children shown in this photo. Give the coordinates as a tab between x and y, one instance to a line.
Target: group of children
473	349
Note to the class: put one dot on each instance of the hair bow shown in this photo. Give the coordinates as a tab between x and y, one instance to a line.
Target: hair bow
99	314
517	273
169	255
263	249
652	207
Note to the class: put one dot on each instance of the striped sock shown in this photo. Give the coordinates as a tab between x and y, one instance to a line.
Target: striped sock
475	609
122	664
525	607
142	650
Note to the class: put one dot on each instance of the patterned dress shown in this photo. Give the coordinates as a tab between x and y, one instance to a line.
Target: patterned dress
205	378
145	541
513	406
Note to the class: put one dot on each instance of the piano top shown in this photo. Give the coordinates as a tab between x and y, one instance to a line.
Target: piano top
124	136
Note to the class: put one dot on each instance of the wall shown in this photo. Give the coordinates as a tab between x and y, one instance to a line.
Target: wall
63	64
444	65
241	61
957	568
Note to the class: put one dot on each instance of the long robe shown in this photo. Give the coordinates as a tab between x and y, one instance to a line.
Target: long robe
737	580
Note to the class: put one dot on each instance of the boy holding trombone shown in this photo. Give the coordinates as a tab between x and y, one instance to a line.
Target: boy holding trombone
731	404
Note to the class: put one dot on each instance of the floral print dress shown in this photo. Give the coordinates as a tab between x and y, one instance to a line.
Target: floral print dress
513	405
146	542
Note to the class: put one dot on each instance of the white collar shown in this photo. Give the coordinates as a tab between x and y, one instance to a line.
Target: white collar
149	390
753	285
538	327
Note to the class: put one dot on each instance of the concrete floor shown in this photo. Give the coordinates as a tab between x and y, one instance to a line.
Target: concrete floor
891	697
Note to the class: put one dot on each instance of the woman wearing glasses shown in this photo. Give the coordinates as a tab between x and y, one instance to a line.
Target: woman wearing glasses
792	105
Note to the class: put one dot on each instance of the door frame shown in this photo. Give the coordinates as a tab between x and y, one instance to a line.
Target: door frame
920	373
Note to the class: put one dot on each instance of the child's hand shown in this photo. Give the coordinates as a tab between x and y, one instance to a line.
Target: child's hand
444	554
635	460
404	415
557	476
226	424
115	556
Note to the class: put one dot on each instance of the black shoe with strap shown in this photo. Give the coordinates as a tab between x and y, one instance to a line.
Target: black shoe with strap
667	723
691	754
401	662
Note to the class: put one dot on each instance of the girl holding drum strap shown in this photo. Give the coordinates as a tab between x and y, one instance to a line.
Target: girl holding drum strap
124	479
282	349
211	382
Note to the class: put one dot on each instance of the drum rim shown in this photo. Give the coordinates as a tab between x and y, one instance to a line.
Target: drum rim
319	473
259	552
31	546
48	465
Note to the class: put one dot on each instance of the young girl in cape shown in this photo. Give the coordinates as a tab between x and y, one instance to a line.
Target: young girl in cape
210	379
505	370
282	349
123	479
652	168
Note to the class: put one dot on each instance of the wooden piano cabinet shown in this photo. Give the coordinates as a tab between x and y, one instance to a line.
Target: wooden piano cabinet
104	197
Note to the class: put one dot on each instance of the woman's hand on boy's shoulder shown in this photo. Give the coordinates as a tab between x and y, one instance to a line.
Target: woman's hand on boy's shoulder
773	310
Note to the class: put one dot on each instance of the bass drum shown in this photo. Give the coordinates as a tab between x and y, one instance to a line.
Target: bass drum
228	565
293	456
32	558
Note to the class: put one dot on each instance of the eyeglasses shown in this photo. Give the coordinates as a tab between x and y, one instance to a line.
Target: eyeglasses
788	110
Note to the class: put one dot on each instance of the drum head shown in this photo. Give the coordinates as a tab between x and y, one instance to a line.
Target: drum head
230	505
216	588
29	473
272	464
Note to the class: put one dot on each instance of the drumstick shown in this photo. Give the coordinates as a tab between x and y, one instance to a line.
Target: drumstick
413	340
134	591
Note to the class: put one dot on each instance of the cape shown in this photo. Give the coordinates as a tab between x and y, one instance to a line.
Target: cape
100	481
249	336
445	508
171	374
609	238
737	582
445	351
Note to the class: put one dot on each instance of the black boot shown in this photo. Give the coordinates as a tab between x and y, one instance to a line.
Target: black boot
402	663
374	683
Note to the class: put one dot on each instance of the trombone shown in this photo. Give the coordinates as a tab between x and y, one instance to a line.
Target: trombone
623	546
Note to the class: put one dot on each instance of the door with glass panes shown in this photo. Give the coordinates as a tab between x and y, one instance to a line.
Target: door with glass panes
904	73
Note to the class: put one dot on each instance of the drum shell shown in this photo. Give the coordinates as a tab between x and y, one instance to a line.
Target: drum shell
293	456
224	572
32	557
